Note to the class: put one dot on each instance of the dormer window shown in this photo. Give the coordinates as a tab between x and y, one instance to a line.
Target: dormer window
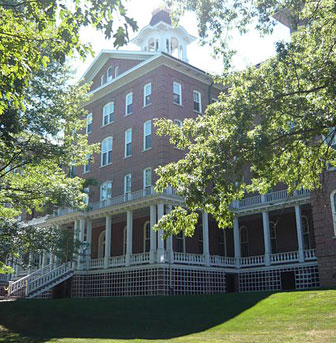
109	74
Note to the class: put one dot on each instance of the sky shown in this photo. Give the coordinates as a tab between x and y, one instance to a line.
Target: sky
251	48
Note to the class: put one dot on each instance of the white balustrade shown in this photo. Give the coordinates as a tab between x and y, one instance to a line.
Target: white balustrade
285	257
188	258
252	260
310	255
140	258
222	261
48	277
117	261
96	263
250	201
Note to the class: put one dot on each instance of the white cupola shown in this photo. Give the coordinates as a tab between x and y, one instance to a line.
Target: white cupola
160	35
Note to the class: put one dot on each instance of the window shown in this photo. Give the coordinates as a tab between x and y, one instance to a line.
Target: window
102	80
180	242
333	208
106	151
108	113
128	143
177	93
127	183
106	190
146	237
243	241
89	123
197	101
147	135
86	195
272	226
147	180
116	71
109	74
147	94
87	165
129	104
305	233
178	123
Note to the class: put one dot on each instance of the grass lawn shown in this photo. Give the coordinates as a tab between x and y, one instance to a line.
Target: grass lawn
308	316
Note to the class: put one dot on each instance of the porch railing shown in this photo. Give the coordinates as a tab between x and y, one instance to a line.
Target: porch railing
252	261
285	257
140	258
188	258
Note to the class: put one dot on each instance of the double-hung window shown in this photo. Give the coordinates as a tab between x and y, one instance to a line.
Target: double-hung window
147	135
127	184
147	94
197	101
129	104
108	113
87	165
128	142
106	191
89	123
147	180
106	151
177	93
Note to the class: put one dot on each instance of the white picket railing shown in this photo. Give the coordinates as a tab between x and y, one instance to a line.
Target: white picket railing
285	257
310	255
21	283
48	278
252	261
96	263
140	258
117	261
180	257
222	261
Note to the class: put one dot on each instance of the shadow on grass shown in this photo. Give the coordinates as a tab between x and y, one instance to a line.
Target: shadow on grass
37	321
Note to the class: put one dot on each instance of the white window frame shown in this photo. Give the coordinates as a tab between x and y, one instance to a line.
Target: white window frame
106	191
109	115
145	185
178	85
129	103
199	103
86	198
106	151
89	120
128	140
126	190
145	238
147	100
102	80
333	210
147	134
87	165
109	77
116	71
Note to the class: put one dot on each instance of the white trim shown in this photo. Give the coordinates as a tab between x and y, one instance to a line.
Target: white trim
179	93
106	152
109	78
108	115
125	184
145	135
128	142
128	95
89	121
200	101
107	196
333	210
145	95
144	178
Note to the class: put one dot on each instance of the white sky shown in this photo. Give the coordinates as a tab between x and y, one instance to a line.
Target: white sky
251	49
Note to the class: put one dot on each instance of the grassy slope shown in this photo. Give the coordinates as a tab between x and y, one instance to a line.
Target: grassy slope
246	317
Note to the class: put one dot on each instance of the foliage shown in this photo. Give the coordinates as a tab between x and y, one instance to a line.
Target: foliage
274	124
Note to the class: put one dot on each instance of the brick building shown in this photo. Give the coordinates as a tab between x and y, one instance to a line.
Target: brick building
278	241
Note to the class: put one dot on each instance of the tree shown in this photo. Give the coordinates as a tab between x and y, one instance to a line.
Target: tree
275	123
41	114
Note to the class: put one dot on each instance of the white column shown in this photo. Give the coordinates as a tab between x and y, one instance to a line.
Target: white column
108	222
299	232
81	240
30	263
44	258
267	238
152	214
160	249
129	237
170	242
206	251
236	241
76	233
89	242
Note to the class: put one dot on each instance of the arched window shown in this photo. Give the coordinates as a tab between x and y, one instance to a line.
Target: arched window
102	80
174	47
305	233
108	113
129	104
116	71
243	241
273	237
125	240
109	74
106	151
333	209
101	244
146	243
151	46
147	94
